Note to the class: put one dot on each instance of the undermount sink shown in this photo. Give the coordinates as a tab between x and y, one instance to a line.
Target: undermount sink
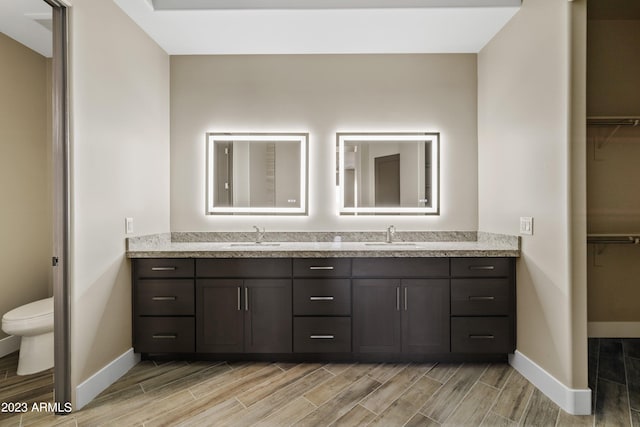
390	244
253	244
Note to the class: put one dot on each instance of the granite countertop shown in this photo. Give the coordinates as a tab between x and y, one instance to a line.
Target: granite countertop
323	245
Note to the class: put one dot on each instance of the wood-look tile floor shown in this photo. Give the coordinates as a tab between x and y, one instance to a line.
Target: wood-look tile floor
278	394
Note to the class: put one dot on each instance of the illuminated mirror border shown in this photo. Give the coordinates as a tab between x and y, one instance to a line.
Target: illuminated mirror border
213	137
343	138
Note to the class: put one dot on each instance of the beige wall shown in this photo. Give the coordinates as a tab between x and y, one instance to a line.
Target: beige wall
324	94
25	216
612	165
524	170
120	168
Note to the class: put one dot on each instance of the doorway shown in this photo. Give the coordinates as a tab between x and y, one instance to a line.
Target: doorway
387	180
35	140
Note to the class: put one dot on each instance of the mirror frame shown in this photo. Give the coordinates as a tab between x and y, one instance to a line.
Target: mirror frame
432	137
301	137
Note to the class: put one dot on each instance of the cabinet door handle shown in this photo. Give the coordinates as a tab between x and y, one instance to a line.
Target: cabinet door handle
246	299
164	336
481	298
398	298
321	337
239	306
482	267
405	300
328	267
163	268
481	337
321	298
161	298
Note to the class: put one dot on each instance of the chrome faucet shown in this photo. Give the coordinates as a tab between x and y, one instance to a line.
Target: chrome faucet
259	233
391	230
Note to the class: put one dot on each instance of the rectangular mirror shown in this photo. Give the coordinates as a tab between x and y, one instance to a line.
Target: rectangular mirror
257	173
388	173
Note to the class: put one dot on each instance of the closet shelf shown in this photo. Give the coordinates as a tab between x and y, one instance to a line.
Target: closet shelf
618	239
618	122
613	121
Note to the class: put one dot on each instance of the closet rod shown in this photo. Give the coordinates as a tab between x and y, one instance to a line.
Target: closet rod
614	121
618	239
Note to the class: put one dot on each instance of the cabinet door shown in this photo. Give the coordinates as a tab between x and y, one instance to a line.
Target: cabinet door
219	316
268	319
376	315
425	316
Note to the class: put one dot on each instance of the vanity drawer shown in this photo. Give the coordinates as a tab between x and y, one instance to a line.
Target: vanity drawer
322	267
163	268
322	297
164	335
480	267
164	297
400	267
481	335
246	268
322	335
473	297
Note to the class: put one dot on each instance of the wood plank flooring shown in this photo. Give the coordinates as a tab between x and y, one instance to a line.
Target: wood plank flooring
180	393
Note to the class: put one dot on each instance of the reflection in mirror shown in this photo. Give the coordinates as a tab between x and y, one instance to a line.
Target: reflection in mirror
257	173
388	173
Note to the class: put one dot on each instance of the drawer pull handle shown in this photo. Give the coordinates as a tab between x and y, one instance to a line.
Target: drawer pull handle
321	298
328	267
164	336
163	268
481	337
239	306
321	337
482	267
164	298
481	298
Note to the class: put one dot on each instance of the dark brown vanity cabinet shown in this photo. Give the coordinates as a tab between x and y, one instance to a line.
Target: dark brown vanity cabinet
163	306
401	315
483	304
242	315
340	308
401	305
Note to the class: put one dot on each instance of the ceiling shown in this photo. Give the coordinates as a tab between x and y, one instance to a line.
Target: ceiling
201	27
29	22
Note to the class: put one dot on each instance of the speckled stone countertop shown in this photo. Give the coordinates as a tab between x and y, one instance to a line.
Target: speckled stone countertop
323	245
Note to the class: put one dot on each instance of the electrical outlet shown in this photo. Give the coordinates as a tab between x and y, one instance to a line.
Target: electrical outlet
128	225
526	225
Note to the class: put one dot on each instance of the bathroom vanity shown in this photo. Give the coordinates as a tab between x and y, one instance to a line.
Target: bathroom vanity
325	301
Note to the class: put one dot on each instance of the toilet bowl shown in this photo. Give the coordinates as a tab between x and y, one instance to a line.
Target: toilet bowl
34	323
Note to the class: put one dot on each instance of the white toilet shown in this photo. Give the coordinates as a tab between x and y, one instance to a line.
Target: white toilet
34	323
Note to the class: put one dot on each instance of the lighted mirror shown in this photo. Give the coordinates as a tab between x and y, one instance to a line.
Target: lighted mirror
388	173
257	173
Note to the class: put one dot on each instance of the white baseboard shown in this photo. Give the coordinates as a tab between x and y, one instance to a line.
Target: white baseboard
613	329
573	401
98	382
9	345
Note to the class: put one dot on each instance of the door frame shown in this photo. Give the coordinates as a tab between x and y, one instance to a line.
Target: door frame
61	207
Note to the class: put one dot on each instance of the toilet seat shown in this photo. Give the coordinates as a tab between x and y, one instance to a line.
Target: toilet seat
30	319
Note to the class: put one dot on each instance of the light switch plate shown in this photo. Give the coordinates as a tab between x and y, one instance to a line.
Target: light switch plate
526	225
128	225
